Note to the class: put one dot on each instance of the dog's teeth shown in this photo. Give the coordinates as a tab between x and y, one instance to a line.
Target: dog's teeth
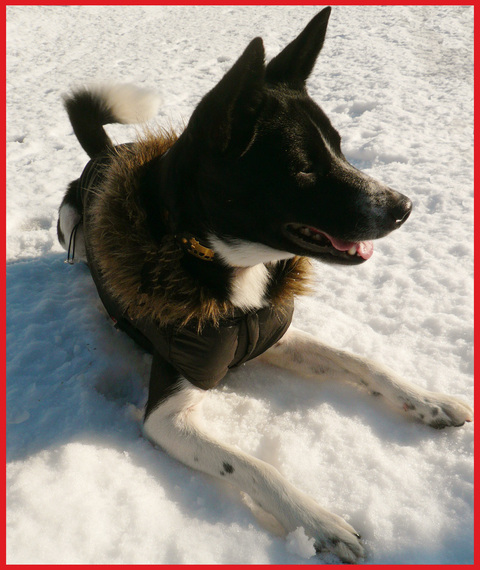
306	232
352	250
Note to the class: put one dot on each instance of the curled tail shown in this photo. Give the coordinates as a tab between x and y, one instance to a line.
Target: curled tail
89	108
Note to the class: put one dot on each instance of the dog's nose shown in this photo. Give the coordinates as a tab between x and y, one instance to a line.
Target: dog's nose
400	211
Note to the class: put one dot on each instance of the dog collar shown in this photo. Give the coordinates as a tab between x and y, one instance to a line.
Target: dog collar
191	245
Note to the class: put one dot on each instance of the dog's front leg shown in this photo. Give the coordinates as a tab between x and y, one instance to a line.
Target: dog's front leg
302	352
175	423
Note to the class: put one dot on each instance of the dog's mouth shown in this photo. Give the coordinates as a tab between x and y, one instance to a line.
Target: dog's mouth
320	244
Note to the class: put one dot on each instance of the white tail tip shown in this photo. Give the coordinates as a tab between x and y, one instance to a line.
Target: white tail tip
127	103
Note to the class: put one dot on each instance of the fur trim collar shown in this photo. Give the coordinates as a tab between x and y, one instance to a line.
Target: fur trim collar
145	275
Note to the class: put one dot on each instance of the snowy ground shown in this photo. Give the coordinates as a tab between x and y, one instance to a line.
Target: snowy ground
84	487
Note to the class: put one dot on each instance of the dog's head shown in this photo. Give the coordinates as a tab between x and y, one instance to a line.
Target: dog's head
268	177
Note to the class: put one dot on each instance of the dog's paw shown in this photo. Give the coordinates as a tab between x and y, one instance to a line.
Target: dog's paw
438	410
349	550
333	534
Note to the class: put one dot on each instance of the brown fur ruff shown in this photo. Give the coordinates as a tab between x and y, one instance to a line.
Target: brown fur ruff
128	256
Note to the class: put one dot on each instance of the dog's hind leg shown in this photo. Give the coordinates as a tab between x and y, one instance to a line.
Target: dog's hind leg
173	420
70	226
303	353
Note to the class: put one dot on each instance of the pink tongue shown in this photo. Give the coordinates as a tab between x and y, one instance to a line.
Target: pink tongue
364	248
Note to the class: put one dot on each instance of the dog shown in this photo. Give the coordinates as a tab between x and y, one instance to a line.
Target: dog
198	244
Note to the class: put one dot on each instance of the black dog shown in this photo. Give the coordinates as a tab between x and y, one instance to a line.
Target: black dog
198	245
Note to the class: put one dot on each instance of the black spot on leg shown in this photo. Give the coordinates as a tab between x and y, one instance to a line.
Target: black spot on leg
435	412
297	357
195	459
376	394
222	473
228	468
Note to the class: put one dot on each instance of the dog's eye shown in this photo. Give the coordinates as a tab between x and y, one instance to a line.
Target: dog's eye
306	176
307	170
305	167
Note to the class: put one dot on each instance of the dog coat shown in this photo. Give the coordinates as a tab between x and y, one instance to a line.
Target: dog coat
148	293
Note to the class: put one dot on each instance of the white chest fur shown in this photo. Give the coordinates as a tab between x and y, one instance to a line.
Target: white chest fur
250	278
248	287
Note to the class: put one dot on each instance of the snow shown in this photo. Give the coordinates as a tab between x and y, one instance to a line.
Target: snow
300	544
83	485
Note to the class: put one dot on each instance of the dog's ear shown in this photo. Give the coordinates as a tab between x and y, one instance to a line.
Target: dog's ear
294	64
225	118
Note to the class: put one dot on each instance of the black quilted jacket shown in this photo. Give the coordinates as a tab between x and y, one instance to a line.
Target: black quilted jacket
202	358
